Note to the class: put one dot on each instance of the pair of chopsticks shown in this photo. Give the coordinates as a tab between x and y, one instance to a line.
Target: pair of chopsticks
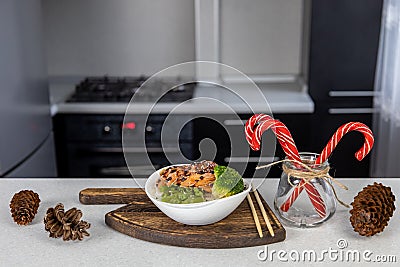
255	216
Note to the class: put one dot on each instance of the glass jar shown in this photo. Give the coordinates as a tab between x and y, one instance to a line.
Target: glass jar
302	212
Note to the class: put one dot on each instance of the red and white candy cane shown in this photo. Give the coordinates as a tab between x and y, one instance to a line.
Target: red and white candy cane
313	194
344	129
250	128
254	132
290	149
327	151
284	137
282	134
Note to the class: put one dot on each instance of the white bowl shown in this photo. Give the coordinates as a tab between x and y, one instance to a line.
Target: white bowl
197	213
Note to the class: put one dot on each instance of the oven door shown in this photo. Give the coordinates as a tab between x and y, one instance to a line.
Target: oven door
109	161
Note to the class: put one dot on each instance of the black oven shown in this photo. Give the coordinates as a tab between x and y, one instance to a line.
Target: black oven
90	145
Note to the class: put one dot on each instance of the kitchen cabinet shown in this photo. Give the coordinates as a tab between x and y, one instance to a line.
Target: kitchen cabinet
90	145
267	40
343	52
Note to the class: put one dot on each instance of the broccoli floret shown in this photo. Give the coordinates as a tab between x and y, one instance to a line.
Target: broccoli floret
228	182
218	170
239	187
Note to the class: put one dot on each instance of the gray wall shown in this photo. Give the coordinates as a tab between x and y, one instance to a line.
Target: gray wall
133	37
118	37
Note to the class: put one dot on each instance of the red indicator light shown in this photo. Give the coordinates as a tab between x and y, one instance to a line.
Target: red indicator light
129	125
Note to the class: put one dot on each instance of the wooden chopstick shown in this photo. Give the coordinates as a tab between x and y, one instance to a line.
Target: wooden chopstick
264	213
256	220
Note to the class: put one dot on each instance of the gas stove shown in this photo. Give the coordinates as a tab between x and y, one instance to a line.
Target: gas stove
99	104
121	89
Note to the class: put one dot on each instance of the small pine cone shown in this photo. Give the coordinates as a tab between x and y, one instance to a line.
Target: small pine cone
24	206
53	221
67	225
372	209
79	230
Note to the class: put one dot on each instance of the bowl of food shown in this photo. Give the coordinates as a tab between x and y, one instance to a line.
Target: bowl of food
198	193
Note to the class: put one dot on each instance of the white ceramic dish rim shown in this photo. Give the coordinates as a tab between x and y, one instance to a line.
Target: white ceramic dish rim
192	205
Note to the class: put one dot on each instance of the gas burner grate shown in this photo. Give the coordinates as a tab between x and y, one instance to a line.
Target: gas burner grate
121	89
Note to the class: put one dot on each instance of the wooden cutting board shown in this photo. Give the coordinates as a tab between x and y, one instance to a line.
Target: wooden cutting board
143	220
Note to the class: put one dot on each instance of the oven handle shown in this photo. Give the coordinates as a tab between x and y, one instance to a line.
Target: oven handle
134	150
352	93
234	122
144	170
250	159
351	110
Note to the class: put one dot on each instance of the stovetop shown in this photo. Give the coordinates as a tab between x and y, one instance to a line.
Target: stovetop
121	89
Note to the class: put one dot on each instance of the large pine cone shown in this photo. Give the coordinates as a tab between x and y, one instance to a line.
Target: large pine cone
372	209
67	225
24	206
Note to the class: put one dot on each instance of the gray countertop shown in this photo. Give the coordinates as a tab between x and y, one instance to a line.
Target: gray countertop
281	98
30	245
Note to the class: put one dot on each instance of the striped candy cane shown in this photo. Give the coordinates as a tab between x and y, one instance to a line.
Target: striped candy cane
313	194
290	149
285	139
249	129
327	151
282	134
344	129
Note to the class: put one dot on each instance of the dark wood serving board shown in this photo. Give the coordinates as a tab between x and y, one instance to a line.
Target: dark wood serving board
143	220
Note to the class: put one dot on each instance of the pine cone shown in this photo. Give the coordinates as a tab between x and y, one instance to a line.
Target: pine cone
372	209
24	206
67	225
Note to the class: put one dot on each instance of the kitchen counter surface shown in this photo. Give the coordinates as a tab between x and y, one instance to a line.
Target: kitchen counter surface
282	98
30	245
